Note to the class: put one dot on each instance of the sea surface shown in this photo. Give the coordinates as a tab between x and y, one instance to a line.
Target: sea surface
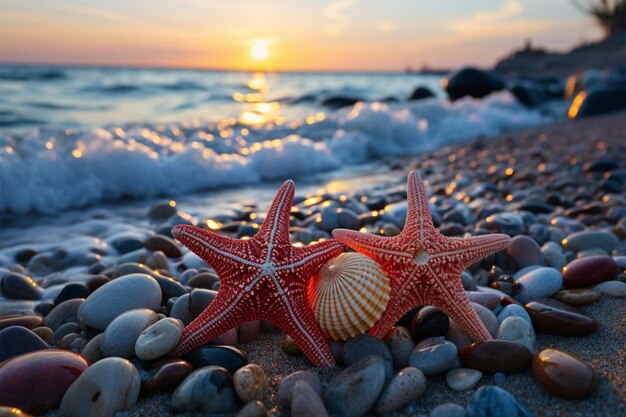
81	137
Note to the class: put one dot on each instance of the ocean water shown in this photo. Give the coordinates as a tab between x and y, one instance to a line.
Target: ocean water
78	137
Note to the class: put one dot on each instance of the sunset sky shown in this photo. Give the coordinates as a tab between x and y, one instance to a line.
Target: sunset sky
284	34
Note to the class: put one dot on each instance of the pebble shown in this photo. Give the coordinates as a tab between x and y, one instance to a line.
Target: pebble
91	351
612	288
433	356
429	322
518	330
525	251
45	373
65	329
208	389
539	283
28	322
203	280
552	316
463	379
564	375
227	357
355	390
65	312
358	347
448	410
406	386
118	296
492	401
487	317
588	271
16	340
590	239
164	244
181	310
579	296
290	347
247	331
400	345
20	287
199	300
513	310
169	288
553	258
45	333
162	375
508	223
485	299
66	342
106	387
158	339
251	383
162	211
253	409
491	356
285	389
306	402
71	291
121	334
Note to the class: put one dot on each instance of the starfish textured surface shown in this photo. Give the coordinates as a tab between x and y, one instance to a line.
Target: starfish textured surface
261	278
424	267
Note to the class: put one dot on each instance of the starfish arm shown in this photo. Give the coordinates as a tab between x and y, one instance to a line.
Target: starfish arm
418	217
309	259
378	248
275	228
220	252
223	314
468	251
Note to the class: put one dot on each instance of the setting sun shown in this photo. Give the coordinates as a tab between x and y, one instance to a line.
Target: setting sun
259	51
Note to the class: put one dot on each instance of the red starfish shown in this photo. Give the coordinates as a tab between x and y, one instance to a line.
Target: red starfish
424	267
264	277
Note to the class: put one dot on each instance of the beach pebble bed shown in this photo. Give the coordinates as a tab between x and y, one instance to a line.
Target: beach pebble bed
87	325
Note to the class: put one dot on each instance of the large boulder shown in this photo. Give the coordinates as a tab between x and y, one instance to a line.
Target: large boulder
472	82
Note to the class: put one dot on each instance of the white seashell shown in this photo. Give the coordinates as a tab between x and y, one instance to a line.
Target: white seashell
348	295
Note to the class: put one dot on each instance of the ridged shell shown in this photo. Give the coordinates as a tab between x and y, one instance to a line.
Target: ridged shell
348	295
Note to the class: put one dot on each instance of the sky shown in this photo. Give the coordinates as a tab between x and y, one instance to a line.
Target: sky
299	35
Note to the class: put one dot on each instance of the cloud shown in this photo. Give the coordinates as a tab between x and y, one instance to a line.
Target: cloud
386	26
335	11
100	14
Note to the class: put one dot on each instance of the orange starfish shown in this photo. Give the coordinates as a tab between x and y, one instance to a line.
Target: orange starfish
264	277
424	267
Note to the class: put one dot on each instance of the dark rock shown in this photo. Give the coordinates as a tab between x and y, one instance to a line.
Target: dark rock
472	82
491	356
598	100
227	357
491	401
209	390
29	322
552	316
16	340
162	375
564	375
420	93
337	102
20	287
358	347
71	291
588	271
429	322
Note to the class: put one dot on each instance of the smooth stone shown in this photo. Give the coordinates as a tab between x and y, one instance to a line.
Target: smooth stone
45	333
492	401
203	280
209	389
473	82
491	356
118	296
126	242
509	223
429	322
16	340
20	287
355	390
17	307
552	316
253	409
164	244
158	261
579	296
588	239
169	288
463	379
159	339
199	300
91	351
588	271
513	310
162	211
448	410
420	93
65	329
433	356
518	330
525	251
406	386
247	331
181	310
358	347
400	344
612	288
488	318
306	402
71	291
539	283
106	387
251	383
28	322
35	382
227	357
518	274
285	389
162	375
485	299
563	374
553	258
290	347
67	341
121	334
129	268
